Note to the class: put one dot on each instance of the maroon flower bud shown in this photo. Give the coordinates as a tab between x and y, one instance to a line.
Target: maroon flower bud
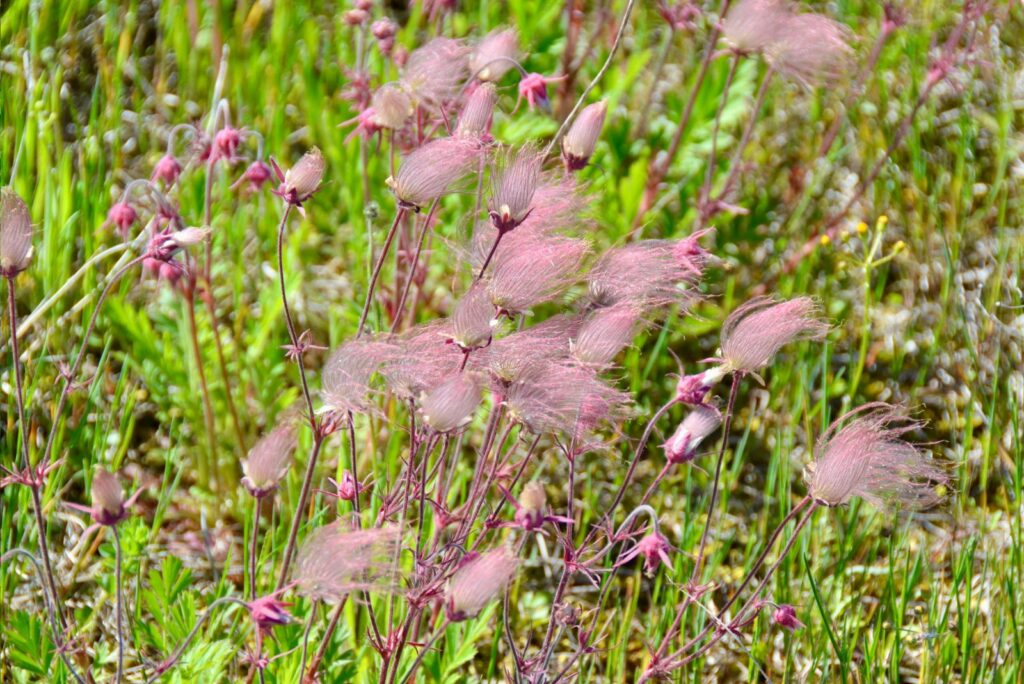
122	215
107	499
701	422
579	143
268	611
534	89
227	141
255	175
654	548
167	170
785	616
355	17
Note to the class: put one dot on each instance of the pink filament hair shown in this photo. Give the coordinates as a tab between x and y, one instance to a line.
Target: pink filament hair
754	25
538	273
649	274
268	461
756	330
347	374
472	321
868	458
336	560
494	55
605	333
421	358
515	182
478	581
435	72
451	404
15	233
813	50
508	357
477	113
429	171
392	106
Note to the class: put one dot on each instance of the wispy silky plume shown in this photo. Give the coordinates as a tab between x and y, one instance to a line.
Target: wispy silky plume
479	580
15	234
605	333
346	375
508	357
649	274
813	50
420	359
752	26
392	106
429	171
756	330
472	321
268	461
530	277
494	55
515	181
335	561
435	72
864	454
699	424
475	119
452	403
581	139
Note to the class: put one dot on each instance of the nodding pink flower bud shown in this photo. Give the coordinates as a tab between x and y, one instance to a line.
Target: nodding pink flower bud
364	5
227	141
534	89
15	234
122	216
532	506
256	175
473	320
812	50
268	612
384	31
680	16
479	579
107	499
355	17
785	616
605	333
698	425
475	120
525	278
347	489
868	458
514	186
302	180
451	404
366	124
335	561
581	139
653	547
429	171
756	330
494	55
392	106
268	461
167	170
691	389
435	72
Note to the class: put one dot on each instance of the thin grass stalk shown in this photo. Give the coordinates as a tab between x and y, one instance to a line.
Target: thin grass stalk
378	266
212	465
734	162
325	641
305	636
307	486
709	169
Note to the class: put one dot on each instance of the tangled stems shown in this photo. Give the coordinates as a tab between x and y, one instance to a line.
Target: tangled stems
399	215
175	656
57	637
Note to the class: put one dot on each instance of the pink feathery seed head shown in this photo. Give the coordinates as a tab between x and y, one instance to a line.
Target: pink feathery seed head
516	180
346	375
107	498
479	579
256	175
122	216
435	72
429	171
756	330
605	333
335	561
269	611
581	139
785	616
648	273
420	360
812	50
268	461
226	142
166	170
451	405
472	321
868	458
15	234
754	25
532	507
699	424
392	106
528	277
508	357
303	179
477	114
534	89
494	55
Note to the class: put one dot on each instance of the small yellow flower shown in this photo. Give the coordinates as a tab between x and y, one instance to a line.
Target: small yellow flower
825	240
882	221
862	228
899	247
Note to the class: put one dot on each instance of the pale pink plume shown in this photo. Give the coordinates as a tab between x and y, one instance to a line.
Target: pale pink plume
435	72
479	580
868	458
107	497
754	25
756	330
538	274
429	171
420	359
475	118
392	106
605	333
699	424
473	321
15	234
268	461
451	405
336	560
515	182
813	50
303	179
508	357
648	273
346	375
581	139
494	55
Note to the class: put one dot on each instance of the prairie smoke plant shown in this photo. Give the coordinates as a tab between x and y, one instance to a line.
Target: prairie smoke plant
435	72
166	170
752	26
392	106
15	234
268	461
581	138
451	404
429	171
478	581
532	509
784	616
302	180
472	321
653	547
699	424
494	55
346	375
508	357
475	119
527	278
868	458
605	333
649	274
420	359
812	50
759	328
335	561
516	180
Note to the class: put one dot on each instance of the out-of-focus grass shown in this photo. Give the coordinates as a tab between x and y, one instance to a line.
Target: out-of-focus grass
87	95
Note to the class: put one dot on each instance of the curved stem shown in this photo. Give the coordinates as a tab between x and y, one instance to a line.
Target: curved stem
378	266
412	268
307	486
305	636
289	320
175	656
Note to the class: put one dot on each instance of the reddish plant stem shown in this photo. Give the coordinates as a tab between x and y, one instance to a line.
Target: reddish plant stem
709	169
211	429
253	543
290	321
325	642
421	239
378	266
307	486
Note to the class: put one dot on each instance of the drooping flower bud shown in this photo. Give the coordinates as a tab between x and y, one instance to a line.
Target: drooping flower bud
698	425
268	461
122	215
227	141
107	498
167	170
534	89
494	55
256	175
477	582
653	547
15	234
581	139
785	616
533	503
303	179
269	611
384	31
